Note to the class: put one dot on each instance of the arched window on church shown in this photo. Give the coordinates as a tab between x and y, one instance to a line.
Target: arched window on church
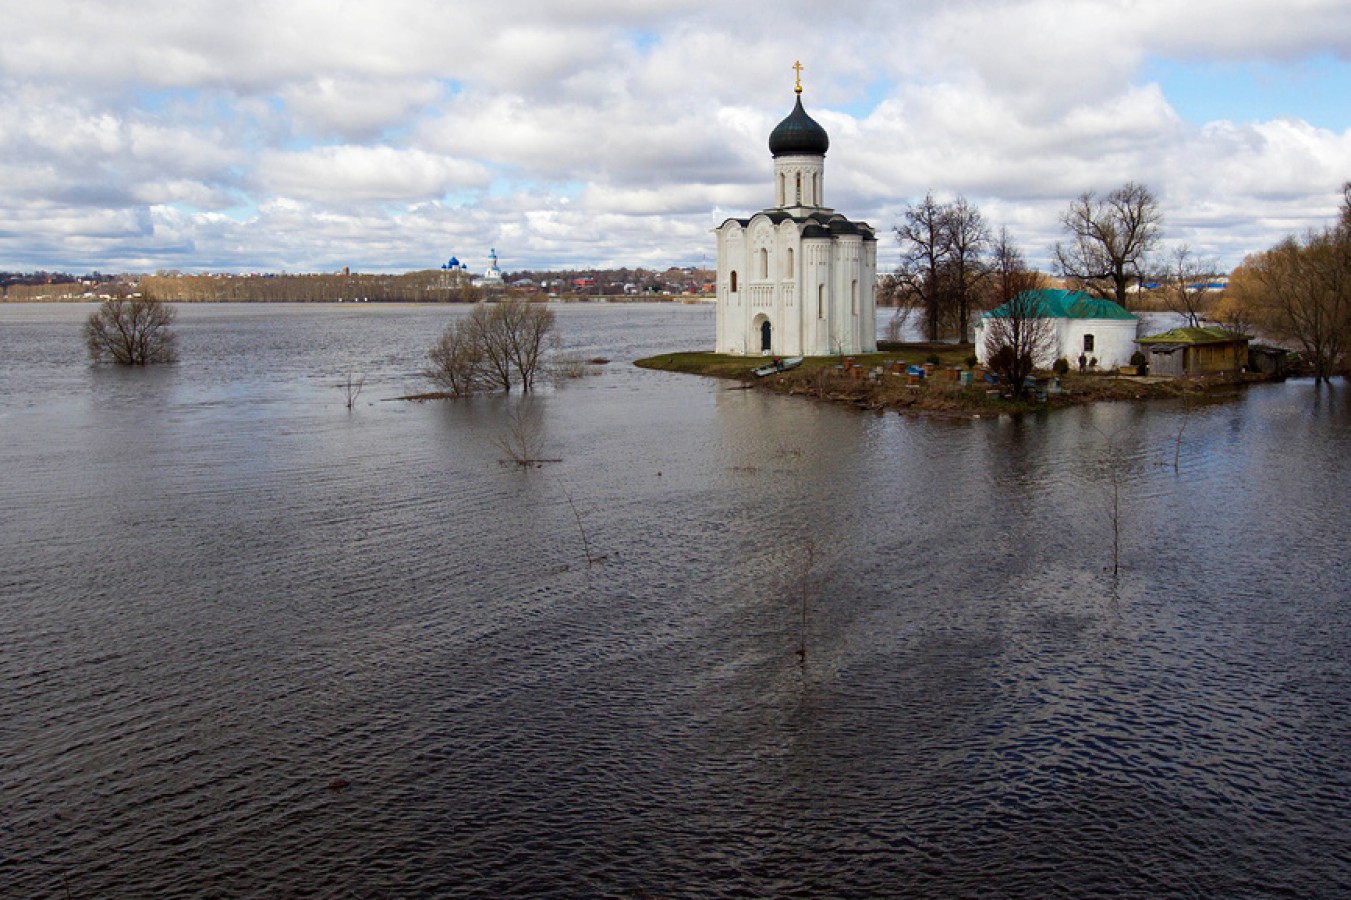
734	281
816	188
764	263
799	189
788	265
853	296
820	301
783	190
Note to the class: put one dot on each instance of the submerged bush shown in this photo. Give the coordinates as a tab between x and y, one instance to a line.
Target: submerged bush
496	346
131	332
572	365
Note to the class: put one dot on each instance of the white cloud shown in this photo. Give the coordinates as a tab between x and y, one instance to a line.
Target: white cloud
602	131
347	174
355	108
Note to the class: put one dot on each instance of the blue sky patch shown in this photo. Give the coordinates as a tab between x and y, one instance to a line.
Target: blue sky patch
1314	90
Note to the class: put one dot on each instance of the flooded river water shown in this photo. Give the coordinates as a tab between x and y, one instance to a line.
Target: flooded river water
255	644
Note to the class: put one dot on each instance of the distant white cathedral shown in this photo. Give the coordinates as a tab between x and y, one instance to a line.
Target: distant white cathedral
797	279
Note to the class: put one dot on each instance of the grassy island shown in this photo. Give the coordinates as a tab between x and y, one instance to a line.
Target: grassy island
875	381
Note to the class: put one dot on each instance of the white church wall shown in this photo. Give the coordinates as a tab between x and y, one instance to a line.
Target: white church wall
799	182
1113	342
816	294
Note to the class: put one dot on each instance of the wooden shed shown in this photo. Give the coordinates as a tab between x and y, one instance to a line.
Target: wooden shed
1195	351
1268	360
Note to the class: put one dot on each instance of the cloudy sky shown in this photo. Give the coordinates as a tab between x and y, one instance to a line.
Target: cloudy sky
244	135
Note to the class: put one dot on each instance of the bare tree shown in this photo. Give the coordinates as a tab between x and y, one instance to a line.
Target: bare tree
1300	291
496	346
896	324
1187	289
131	332
1110	238
968	243
591	558
1009	274
456	362
490	333
806	587
1112	458
943	246
892	292
352	389
523	442
528	328
924	251
1114	468
1019	336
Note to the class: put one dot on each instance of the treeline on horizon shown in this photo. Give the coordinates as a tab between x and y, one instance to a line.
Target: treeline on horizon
43	278
424	286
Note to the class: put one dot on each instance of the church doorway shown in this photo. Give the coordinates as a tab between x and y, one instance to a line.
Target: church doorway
766	336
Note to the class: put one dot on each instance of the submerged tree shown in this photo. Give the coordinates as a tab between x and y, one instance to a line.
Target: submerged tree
456	362
1300	291
523	442
131	332
496	346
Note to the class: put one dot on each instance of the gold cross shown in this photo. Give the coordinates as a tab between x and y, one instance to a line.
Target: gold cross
797	66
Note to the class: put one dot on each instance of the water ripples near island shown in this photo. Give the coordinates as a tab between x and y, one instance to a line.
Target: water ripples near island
254	644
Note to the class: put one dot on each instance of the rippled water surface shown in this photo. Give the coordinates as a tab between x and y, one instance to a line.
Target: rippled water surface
223	597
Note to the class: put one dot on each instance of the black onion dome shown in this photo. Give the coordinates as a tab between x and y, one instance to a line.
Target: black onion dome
799	134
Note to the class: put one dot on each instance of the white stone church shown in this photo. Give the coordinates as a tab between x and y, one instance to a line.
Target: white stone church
797	279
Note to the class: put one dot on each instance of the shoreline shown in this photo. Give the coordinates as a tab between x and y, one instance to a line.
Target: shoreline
858	385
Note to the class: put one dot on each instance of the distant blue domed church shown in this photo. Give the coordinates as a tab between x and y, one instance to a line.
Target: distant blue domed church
796	279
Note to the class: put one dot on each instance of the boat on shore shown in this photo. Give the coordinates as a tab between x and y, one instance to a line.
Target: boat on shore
778	365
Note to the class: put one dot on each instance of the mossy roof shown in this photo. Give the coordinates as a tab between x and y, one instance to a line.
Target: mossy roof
1210	334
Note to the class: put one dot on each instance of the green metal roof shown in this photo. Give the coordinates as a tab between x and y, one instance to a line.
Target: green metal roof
1211	334
1056	304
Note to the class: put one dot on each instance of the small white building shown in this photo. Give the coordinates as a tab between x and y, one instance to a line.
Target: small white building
796	279
1085	326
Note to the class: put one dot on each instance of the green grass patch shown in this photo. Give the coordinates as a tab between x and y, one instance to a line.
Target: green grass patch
722	366
716	364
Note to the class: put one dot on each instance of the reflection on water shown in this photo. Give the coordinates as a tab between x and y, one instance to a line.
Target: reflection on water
220	591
